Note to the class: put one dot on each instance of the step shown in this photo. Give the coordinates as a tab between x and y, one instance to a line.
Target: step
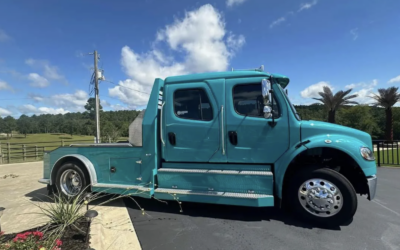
216	166
227	198
234	181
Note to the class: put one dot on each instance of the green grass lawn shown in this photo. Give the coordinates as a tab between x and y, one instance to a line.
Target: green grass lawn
388	157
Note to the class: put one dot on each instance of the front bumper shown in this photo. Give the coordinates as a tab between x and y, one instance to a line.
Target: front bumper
372	182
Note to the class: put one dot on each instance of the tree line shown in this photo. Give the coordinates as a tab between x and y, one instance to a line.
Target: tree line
381	120
113	124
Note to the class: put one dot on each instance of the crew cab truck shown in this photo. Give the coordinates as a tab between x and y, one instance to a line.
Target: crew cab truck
229	138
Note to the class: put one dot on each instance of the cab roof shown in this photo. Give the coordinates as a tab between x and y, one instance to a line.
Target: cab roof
281	79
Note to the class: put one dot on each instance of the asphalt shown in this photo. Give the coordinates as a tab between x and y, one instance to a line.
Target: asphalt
376	224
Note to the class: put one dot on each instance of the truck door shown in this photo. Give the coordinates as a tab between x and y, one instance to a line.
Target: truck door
192	123
250	137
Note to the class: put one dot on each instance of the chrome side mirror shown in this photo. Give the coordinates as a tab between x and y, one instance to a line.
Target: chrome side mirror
267	97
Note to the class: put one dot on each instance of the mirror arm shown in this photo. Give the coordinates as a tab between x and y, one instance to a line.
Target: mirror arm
272	103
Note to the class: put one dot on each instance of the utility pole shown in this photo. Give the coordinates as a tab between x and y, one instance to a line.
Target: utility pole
96	91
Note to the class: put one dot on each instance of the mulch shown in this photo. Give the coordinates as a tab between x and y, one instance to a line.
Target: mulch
72	239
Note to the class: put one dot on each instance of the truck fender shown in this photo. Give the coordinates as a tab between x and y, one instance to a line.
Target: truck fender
348	145
85	163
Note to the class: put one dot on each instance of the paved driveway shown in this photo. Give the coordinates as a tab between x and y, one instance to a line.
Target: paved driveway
376	225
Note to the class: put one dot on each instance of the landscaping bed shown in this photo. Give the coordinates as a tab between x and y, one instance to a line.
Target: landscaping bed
73	237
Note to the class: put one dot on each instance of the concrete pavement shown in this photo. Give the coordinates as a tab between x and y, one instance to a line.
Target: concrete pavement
19	190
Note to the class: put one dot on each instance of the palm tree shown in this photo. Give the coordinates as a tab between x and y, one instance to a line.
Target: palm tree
386	98
334	102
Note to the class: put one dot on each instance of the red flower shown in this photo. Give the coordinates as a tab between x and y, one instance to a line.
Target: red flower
38	234
1	233
58	242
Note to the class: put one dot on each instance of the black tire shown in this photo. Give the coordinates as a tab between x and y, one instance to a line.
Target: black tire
68	166
349	202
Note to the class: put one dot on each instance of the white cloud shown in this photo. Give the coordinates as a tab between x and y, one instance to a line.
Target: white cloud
368	85
125	92
4	112
199	38
30	109
306	6
27	108
277	21
231	3
38	80
313	90
3	36
235	42
395	79
5	86
49	71
75	101
363	96
68	102
36	97
354	33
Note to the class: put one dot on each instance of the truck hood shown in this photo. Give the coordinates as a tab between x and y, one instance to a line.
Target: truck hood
333	132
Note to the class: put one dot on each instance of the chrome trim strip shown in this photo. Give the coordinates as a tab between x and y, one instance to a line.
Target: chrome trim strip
102	144
212	193
44	181
161	124
222	130
122	186
213	171
372	184
86	162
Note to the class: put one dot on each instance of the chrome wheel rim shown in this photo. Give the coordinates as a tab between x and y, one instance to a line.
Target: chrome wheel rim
320	197
70	182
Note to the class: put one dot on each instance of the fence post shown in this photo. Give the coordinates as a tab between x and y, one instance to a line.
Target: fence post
1	155
62	143
24	152
379	154
8	152
36	153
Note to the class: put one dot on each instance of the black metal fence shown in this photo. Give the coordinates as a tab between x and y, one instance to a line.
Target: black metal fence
386	152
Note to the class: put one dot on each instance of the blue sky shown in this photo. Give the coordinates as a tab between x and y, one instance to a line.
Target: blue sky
44	46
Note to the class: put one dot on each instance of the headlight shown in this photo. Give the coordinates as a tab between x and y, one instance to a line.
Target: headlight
367	154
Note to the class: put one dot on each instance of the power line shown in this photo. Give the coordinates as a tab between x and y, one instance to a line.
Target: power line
127	87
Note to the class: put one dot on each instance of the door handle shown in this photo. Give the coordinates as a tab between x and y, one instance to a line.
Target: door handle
233	137
172	138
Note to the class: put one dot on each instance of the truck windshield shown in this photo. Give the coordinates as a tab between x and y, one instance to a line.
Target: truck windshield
290	103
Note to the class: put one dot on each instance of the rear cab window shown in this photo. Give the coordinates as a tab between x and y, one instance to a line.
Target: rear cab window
192	104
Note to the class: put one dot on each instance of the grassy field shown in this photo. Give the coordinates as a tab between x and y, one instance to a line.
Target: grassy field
388	157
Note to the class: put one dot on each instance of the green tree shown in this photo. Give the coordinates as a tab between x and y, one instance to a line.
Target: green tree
334	102
359	117
24	125
387	98
90	107
10	125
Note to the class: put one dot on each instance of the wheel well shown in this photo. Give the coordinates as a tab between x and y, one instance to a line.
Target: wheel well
74	160
328	158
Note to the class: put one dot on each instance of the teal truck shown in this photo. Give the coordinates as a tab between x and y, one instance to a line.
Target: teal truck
229	138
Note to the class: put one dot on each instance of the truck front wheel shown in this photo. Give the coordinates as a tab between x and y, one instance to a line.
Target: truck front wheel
70	180
323	196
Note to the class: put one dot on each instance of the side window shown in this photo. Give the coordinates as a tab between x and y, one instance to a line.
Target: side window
248	100
192	104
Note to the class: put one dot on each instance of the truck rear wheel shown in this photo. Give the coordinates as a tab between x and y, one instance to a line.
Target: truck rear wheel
323	196
70	180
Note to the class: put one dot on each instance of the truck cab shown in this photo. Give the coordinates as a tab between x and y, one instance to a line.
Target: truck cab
229	138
